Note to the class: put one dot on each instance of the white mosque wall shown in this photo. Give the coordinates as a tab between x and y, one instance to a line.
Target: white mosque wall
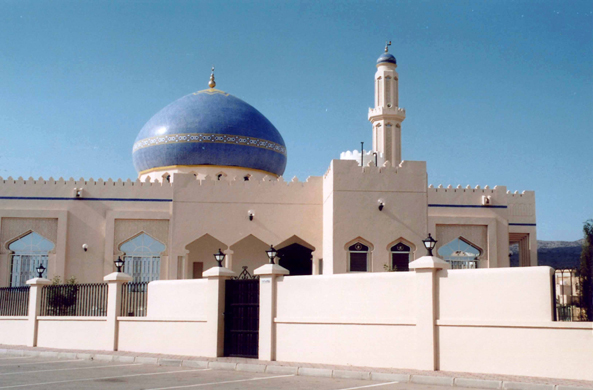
454	210
351	213
327	213
52	208
221	208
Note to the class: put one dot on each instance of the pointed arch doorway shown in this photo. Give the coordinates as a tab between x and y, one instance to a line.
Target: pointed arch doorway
295	255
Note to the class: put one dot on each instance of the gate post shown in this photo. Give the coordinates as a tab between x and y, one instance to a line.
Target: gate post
427	301
268	274
114	282
215	309
34	308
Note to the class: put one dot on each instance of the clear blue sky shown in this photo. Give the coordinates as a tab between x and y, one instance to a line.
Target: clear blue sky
496	92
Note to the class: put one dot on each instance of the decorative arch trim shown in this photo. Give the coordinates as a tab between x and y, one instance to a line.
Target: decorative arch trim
138	235
362	241
403	241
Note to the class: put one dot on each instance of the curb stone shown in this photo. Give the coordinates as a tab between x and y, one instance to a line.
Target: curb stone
385	376
322	372
297	370
432	380
346	374
526	386
103	358
146	360
485	383
124	359
195	363
282	370
170	362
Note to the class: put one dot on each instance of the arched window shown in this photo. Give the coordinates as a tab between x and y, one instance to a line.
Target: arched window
460	253
28	252
143	258
400	257
358	257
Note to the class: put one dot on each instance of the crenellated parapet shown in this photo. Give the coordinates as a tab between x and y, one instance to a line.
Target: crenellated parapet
521	206
468	197
408	176
268	189
62	189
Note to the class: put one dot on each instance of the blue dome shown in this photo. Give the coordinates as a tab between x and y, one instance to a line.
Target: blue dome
210	127
386	57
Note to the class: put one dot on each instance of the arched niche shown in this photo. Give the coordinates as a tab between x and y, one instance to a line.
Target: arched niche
359	255
401	254
142	256
295	255
27	252
249	252
200	255
461	253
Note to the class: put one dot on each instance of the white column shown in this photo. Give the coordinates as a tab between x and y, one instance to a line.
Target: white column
215	294
228	260
268	275
34	306
315	259
114	281
426	269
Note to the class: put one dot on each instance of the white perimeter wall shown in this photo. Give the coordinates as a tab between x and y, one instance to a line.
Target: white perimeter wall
12	330
486	321
176	320
349	319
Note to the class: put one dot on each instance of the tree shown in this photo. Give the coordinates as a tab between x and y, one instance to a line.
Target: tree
586	272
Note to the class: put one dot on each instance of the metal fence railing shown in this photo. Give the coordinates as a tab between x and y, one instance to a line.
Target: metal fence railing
569	300
133	299
14	301
83	300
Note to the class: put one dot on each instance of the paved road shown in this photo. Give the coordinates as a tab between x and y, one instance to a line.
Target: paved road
51	373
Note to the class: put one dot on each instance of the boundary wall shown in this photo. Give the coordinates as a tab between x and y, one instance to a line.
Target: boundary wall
491	321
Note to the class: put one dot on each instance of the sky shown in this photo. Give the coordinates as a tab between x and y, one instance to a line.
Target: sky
495	92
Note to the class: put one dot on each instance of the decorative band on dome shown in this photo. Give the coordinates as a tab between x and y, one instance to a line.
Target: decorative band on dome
209	138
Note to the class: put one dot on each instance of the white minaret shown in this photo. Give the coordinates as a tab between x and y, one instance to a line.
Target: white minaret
387	117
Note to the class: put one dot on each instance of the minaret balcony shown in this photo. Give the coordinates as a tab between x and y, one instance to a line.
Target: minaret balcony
387	112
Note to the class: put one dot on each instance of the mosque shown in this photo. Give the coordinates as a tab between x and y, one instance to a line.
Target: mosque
210	177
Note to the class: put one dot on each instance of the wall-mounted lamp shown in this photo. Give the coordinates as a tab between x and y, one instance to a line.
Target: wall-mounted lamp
381	203
219	257
251	214
40	270
78	192
119	263
85	247
429	244
272	253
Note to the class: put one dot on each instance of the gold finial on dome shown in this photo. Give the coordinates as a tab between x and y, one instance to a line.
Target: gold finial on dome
212	83
387	44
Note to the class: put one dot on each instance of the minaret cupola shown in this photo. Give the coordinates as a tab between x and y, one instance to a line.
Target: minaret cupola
386	117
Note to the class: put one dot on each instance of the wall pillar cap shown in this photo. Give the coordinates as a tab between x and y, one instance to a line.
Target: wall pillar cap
228	252
218	272
38	282
429	262
271	269
118	277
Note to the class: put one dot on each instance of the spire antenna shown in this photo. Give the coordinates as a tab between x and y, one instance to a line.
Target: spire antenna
387	44
212	83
